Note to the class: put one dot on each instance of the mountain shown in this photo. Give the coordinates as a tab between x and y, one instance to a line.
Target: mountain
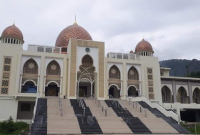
181	67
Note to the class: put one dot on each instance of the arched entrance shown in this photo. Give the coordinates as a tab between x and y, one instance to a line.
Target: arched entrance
132	92
29	87
196	95
52	89
114	92
182	95
166	95
86	78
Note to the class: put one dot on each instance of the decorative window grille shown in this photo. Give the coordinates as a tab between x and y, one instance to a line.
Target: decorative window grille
40	49
87	61
133	74
6	75
30	67
150	83
53	68
86	69
114	72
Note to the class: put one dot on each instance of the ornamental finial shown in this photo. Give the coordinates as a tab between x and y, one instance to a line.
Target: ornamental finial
75	23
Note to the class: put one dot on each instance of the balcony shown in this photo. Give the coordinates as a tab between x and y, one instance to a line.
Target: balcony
46	49
127	56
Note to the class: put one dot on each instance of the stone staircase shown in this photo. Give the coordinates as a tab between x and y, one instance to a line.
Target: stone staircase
154	124
65	124
170	121
39	127
112	124
134	123
88	123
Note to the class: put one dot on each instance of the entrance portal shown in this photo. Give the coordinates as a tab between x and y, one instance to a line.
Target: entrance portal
52	89
114	92
132	92
85	89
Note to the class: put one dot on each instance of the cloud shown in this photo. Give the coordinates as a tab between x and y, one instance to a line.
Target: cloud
172	27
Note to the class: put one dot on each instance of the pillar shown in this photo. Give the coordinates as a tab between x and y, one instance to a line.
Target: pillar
174	90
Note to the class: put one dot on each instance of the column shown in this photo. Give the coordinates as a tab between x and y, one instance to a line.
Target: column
190	92
91	89
174	90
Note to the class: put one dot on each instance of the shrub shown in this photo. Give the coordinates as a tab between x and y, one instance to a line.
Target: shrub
7	126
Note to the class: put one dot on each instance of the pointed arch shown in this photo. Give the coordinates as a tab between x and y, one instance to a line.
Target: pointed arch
166	94
196	95
30	67
53	68
114	72
182	95
133	73
87	61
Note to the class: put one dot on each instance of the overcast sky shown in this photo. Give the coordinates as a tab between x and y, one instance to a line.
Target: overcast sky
171	26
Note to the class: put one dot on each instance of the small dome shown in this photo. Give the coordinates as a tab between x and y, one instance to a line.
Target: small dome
12	32
72	31
143	46
131	51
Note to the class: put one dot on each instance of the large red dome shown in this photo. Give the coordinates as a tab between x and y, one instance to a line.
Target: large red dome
143	46
12	32
72	31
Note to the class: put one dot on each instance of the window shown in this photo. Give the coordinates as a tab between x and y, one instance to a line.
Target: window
25	107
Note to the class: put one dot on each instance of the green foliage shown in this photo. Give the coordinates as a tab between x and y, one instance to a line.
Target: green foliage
191	128
9	127
194	74
181	67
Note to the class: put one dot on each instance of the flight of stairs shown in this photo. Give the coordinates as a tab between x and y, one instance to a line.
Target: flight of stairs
133	123
39	127
168	120
57	124
88	123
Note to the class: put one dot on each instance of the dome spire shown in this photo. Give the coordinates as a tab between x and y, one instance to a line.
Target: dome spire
14	23
75	23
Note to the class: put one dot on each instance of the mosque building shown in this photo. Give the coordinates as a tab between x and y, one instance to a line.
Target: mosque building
77	67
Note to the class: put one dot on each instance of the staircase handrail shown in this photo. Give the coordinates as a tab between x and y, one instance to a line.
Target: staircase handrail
35	107
110	96
77	96
162	109
103	107
82	105
122	105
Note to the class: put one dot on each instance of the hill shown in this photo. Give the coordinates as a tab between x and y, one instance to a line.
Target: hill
181	67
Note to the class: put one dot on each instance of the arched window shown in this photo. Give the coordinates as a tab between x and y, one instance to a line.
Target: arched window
87	61
30	67
196	96
114	72
182	95
133	74
166	95
53	68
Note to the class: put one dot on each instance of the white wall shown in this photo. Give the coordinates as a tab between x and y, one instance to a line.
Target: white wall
8	107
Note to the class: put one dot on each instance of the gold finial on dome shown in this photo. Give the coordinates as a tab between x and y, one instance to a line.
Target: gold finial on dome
75	23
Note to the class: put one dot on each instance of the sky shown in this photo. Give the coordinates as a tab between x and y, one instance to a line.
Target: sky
171	26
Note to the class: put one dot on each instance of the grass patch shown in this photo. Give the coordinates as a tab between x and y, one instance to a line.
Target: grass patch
9	127
191	128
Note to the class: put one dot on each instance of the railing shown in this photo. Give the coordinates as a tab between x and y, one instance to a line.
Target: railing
135	105
122	105
81	104
60	104
47	49
103	107
110	96
128	56
35	107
